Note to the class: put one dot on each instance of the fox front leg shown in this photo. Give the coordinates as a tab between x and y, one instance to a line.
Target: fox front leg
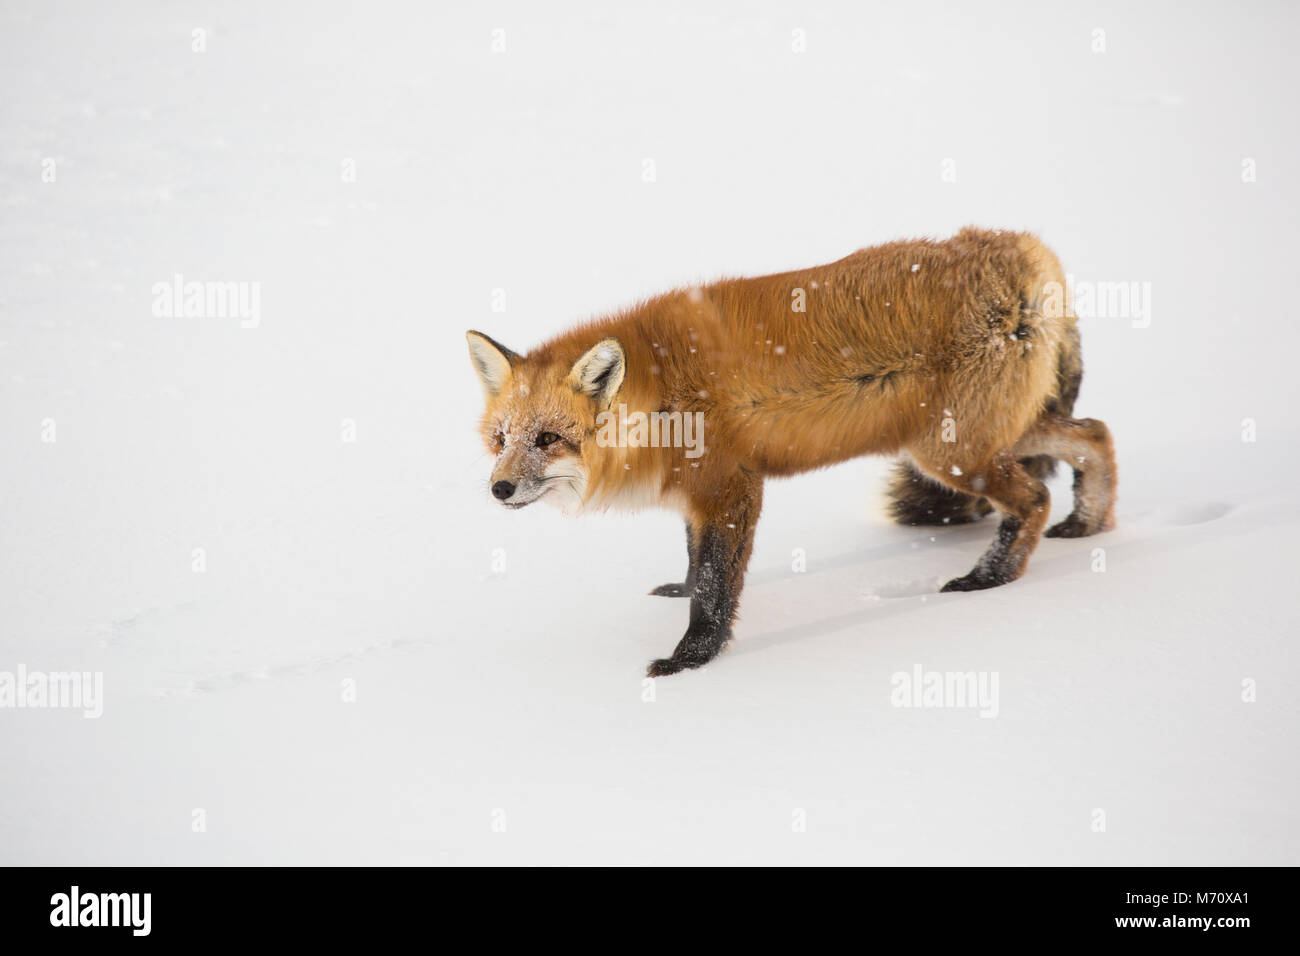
687	587
723	539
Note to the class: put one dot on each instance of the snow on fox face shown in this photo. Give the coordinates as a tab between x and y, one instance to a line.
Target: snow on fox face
536	458
537	418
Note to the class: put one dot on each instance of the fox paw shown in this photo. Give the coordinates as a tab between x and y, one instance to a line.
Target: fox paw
1076	527
671	665
672	590
1071	527
975	581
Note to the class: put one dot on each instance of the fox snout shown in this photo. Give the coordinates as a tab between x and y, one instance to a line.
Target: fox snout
517	491
560	483
522	477
519	474
514	495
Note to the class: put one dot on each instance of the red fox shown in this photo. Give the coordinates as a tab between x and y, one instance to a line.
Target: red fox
961	354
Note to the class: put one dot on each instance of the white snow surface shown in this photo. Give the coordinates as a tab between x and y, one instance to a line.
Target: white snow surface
500	716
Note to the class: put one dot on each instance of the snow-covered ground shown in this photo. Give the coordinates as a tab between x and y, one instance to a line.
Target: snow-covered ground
496	658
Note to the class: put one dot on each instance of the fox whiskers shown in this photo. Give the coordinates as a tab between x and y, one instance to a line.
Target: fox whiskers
567	488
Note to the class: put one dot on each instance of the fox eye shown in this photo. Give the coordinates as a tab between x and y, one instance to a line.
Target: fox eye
547	438
499	439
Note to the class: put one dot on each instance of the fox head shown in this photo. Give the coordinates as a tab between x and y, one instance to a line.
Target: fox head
540	415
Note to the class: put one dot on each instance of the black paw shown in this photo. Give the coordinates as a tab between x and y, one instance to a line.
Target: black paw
671	665
700	645
672	590
1071	527
975	581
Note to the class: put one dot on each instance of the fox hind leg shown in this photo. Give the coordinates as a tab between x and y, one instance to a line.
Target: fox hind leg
1024	502
1086	446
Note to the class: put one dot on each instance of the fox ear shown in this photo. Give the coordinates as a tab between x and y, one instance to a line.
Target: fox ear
599	373
492	360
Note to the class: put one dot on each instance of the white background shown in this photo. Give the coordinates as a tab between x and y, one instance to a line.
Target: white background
521	691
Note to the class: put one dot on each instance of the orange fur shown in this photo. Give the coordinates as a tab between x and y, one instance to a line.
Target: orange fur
947	350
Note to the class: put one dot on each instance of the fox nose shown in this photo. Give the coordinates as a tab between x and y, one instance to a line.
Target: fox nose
503	490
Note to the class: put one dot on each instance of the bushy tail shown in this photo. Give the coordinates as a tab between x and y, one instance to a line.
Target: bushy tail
917	499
